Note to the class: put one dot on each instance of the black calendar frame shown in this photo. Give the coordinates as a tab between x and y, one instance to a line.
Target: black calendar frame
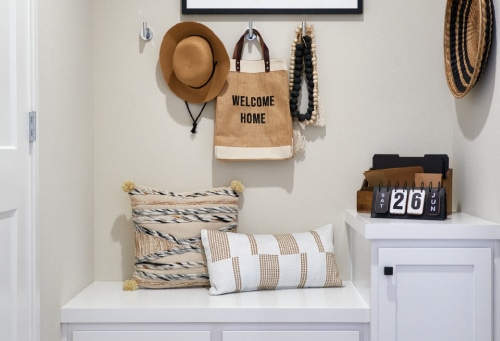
441	215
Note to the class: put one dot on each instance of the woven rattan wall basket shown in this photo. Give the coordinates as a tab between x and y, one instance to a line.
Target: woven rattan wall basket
468	33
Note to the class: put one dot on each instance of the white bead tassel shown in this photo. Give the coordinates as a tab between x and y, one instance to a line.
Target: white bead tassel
299	142
321	119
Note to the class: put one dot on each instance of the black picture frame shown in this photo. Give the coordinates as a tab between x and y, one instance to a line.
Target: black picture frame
310	7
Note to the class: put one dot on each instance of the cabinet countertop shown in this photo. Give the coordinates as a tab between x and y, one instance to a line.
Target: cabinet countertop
457	226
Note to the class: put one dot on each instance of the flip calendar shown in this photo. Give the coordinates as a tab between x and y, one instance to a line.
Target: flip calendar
409	202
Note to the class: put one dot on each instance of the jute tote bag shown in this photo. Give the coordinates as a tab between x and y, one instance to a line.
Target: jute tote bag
252	117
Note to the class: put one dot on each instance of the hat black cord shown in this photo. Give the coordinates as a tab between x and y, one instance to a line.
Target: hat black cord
214	63
195	121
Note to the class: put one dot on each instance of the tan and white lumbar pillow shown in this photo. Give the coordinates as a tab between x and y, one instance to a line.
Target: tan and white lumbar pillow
245	262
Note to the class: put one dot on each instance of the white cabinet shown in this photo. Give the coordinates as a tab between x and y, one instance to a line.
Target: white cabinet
434	294
104	312
428	280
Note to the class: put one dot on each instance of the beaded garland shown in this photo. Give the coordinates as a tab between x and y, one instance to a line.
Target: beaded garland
303	61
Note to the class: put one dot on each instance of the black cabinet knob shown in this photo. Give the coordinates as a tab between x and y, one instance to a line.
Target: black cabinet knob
388	270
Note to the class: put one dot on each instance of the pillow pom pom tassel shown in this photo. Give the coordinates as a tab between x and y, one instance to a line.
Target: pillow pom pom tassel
130	285
128	185
237	186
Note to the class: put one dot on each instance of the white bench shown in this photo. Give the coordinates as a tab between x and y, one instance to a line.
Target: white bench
103	311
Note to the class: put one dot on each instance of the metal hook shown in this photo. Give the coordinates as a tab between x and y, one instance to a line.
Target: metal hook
250	35
303	28
146	32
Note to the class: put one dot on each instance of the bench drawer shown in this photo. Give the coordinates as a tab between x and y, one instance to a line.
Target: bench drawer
289	335
141	335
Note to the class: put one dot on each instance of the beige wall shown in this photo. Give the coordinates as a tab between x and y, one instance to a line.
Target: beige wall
381	78
66	156
476	143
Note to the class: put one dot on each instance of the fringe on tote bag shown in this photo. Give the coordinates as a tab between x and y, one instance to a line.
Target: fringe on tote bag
252	117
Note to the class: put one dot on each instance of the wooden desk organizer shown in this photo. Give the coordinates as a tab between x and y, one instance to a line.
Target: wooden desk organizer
365	194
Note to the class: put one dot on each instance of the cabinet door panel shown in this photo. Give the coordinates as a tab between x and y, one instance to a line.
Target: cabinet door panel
428	308
434	294
141	335
290	335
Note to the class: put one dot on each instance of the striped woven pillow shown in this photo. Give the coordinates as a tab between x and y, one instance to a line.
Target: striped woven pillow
241	262
167	226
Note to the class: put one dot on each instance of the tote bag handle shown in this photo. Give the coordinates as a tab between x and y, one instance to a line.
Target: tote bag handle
238	50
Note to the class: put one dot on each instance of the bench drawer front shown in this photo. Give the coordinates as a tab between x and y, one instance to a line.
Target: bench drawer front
289	335
141	335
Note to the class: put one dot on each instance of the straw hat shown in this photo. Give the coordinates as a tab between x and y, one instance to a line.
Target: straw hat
468	34
194	62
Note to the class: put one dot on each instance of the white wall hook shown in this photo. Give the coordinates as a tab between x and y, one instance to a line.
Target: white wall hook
146	32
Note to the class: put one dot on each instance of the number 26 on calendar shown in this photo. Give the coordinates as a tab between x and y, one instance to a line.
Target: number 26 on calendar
404	201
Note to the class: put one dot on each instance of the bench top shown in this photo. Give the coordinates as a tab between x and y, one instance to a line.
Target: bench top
106	302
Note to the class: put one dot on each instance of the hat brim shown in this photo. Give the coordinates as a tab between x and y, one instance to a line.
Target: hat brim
468	34
209	91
